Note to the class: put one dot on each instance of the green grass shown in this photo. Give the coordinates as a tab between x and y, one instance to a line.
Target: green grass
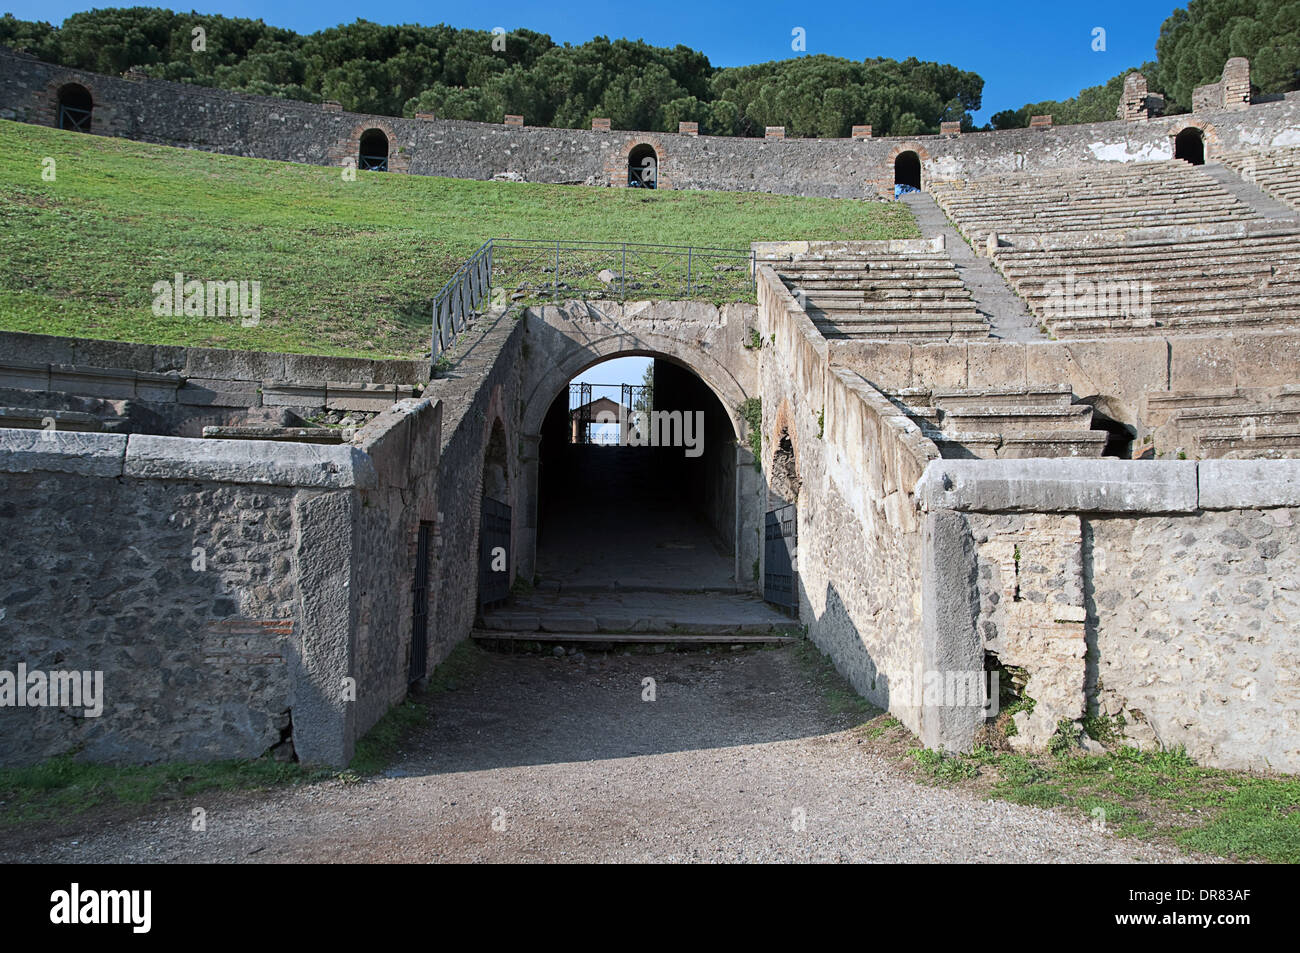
839	696
1160	796
382	743
64	787
347	268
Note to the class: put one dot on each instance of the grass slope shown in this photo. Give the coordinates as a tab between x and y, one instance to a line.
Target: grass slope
347	268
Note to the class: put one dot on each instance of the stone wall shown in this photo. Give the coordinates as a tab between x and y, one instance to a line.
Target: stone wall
236	124
208	580
481	389
1161	593
860	538
1119	376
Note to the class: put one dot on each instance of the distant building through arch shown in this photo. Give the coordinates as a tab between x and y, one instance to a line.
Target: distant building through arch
373	151
75	107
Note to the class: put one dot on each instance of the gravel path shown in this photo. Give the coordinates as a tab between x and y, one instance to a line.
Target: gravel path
559	759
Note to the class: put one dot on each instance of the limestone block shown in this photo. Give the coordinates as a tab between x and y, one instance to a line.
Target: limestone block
61	451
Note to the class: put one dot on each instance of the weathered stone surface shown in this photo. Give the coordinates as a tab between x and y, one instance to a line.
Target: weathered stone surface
1248	484
60	451
1059	486
245	461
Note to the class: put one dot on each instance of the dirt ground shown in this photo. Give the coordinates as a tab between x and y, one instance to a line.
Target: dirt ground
738	758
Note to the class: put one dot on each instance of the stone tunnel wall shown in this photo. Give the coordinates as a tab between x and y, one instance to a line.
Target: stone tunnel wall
860	539
238	124
1163	596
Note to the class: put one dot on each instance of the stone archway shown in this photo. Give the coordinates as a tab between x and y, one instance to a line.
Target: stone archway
74	107
1194	141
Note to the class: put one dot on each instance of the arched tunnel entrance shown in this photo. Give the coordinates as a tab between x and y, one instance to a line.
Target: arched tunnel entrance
637	481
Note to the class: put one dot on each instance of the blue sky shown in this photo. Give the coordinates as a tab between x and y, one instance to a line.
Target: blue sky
1026	51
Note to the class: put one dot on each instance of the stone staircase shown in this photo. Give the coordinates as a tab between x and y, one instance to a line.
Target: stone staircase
653	620
888	290
1087	199
1276	172
1003	422
1153	284
1251	423
1133	249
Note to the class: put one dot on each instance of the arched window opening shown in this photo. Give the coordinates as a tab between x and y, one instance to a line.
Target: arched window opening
75	106
643	168
374	151
1189	145
907	172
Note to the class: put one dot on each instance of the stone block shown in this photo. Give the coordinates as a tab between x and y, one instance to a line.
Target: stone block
516	121
1059	486
1248	484
292	394
1201	364
24	375
312	368
109	382
950	128
341	395
136	357
161	388
1266	360
247	461
222	364
61	451
886	364
939	365
36	348
202	392
995	365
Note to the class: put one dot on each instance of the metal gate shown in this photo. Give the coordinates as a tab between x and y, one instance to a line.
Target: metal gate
780	539
494	553
418	663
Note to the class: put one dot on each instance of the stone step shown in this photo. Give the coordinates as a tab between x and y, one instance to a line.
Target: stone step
1016	417
1059	396
35	418
593	641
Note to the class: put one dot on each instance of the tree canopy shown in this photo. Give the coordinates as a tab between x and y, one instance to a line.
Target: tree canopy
472	74
1192	47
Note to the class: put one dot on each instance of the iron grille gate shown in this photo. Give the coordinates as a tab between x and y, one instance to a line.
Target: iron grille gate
494	533
418	663
780	540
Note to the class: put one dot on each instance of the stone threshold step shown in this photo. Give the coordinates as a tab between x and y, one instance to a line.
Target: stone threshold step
630	638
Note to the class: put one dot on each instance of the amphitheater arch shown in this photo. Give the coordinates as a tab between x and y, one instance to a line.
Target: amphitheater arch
643	167
1189	145
588	353
372	151
75	106
907	169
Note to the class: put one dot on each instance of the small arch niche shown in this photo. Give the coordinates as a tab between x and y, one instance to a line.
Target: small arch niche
1189	145
373	151
643	167
907	169
75	107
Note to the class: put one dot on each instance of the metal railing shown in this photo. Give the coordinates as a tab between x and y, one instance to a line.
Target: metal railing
460	298
524	270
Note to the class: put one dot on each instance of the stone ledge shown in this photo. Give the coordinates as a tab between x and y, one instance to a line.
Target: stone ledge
61	451
1059	486
1248	484
243	461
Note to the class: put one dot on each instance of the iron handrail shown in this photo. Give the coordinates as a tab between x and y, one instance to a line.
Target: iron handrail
459	299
